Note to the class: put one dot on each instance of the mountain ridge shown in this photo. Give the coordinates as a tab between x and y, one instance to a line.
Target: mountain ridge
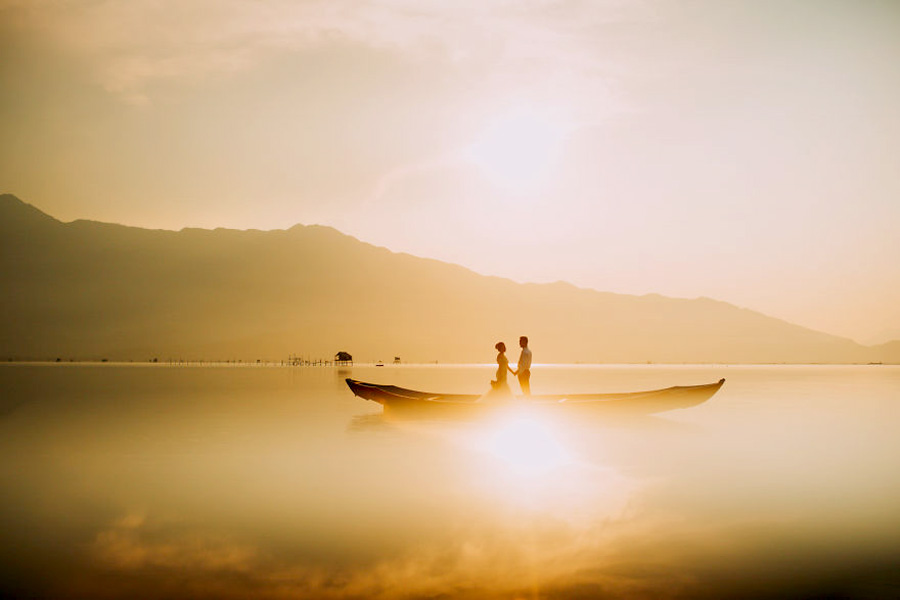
90	289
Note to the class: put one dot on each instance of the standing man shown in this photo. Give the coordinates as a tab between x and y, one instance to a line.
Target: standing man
523	369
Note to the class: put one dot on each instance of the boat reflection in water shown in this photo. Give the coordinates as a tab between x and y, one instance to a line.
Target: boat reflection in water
407	402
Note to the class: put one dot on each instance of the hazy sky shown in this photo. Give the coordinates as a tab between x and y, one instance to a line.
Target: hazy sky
745	151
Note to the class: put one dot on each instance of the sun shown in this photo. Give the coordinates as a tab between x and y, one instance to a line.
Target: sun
518	149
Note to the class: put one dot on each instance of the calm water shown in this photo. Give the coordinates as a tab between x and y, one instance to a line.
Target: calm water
270	482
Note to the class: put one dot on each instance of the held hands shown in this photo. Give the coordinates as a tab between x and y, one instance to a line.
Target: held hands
516	373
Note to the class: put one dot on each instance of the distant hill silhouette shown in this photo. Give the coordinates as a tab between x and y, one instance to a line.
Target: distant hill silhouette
89	290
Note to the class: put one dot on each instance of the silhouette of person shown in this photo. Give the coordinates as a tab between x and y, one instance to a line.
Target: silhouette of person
523	368
502	367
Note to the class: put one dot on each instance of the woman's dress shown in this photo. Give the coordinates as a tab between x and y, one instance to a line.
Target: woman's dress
499	387
502	368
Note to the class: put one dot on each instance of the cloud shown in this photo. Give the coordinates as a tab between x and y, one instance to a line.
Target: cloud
480	560
134	543
136	45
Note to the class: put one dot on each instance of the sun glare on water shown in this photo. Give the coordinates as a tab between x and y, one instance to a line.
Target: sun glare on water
517	150
529	464
526	446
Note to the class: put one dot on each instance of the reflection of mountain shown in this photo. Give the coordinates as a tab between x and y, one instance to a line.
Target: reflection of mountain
87	289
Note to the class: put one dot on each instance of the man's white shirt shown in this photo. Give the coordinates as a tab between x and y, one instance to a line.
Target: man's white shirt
524	360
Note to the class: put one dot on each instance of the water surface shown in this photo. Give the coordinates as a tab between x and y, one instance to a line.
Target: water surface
271	482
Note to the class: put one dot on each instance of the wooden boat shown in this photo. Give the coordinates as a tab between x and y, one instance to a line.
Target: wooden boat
398	399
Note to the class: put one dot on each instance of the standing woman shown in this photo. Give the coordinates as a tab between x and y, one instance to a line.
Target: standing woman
502	368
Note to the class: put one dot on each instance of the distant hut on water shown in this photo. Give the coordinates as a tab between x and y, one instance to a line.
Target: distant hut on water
343	358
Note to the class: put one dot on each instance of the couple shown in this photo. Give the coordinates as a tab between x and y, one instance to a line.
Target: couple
523	369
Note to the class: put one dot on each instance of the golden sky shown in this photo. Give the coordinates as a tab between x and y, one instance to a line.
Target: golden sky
745	151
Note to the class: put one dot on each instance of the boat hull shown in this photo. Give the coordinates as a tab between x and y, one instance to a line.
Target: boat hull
398	400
